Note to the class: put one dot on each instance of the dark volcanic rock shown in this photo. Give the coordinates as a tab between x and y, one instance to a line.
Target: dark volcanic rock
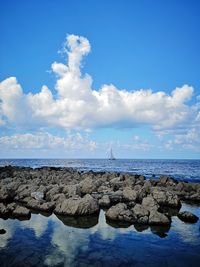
78	206
157	218
69	192
187	216
120	212
21	212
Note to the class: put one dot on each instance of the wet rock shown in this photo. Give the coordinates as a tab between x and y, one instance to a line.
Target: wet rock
150	204
116	197
78	206
129	194
3	210
157	218
166	198
72	190
21	212
88	185
120	212
53	191
166	180
141	213
11	207
6	194
187	216
104	201
116	183
40	206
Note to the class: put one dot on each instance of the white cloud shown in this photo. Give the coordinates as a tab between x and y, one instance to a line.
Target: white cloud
77	106
46	140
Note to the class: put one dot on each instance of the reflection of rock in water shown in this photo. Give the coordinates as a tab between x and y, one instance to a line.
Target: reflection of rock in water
118	224
141	227
79	221
2	231
169	211
160	231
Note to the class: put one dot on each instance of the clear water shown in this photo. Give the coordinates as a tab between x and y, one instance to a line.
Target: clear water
188	170
51	241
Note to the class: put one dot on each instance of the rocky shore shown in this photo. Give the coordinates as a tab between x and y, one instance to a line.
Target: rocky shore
66	192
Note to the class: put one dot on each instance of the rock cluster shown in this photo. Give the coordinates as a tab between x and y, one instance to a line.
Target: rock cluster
66	192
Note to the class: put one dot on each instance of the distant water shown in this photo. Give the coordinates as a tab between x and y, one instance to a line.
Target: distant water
187	170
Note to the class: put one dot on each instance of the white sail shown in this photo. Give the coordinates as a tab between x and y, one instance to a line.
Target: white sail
111	155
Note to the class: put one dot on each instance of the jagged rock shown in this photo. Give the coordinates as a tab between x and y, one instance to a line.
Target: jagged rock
187	216
37	205
21	212
141	213
116	197
104	201
166	198
129	194
116	183
58	198
53	191
11	207
157	218
104	189
121	213
149	203
71	190
166	180
6	194
3	210
78	206
88	185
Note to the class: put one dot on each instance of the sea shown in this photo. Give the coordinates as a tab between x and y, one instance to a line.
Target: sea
50	240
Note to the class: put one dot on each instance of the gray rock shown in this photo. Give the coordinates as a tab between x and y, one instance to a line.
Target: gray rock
187	216
129	194
53	191
166	198
40	206
6	194
141	213
78	206
121	213
71	190
3	210
88	185
21	212
104	201
115	197
149	203
157	218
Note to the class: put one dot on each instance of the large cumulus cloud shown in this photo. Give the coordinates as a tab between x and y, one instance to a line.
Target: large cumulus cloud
78	106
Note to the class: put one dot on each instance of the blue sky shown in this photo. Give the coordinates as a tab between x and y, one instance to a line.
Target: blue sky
122	62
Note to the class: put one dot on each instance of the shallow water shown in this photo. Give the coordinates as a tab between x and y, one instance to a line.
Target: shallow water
188	170
50	241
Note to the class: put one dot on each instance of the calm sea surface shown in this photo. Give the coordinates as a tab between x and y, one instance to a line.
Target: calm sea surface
188	170
48	240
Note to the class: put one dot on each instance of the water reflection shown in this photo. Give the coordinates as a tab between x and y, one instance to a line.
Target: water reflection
90	241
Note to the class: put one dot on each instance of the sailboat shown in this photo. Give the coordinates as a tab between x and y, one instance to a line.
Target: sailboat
111	156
